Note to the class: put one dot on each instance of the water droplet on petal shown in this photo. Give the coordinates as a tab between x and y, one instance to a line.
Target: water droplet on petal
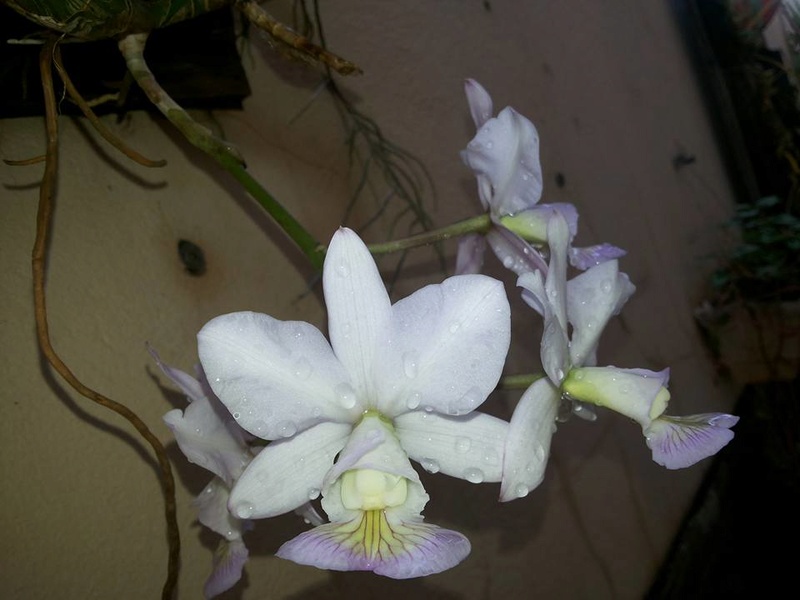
236	415
463	445
413	400
260	425
410	364
521	490
490	145
473	475
342	269
606	287
313	494
560	374
430	465
346	395
508	262
455	326
243	510
287	429
539	452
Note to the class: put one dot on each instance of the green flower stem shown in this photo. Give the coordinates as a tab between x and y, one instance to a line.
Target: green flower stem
518	382
313	250
479	224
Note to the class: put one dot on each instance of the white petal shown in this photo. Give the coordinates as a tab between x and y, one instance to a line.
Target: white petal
468	447
506	151
593	297
528	444
480	102
445	348
287	473
212	510
275	377
358	307
554	345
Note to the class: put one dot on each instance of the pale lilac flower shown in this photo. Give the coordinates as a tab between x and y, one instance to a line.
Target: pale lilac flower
504	155
210	438
396	382
586	303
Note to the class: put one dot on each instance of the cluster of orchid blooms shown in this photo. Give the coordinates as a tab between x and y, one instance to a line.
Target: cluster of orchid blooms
344	418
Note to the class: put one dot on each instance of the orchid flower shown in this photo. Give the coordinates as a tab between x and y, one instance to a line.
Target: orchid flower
210	438
587	302
504	155
396	382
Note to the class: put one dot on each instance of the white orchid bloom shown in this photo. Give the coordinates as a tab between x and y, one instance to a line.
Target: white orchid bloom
504	155
587	302
396	381
208	437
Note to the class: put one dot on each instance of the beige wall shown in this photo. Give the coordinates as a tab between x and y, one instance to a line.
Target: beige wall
611	90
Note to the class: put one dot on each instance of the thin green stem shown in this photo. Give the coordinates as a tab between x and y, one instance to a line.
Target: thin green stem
479	224
313	250
518	382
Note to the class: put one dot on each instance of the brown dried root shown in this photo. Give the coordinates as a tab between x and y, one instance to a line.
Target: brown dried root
97	123
39	265
295	45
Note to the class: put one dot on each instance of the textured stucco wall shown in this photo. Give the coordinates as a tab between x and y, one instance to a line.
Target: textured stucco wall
610	88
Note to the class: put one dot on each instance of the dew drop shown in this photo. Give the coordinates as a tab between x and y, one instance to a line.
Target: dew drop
302	368
430	465
508	262
260	425
490	456
313	494
560	374
413	400
244	510
624	389
606	287
410	365
455	326
579	375
346	395
521	490
539	453
490	145
473	475
525	176
236	415
463	445
198	431
287	429
428	409
343	269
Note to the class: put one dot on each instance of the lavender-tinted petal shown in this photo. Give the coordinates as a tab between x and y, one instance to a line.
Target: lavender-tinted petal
516	254
212	511
471	249
188	384
229	560
376	541
585	258
679	442
480	102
